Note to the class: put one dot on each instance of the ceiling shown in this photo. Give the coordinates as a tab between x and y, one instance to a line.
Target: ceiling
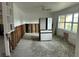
44	6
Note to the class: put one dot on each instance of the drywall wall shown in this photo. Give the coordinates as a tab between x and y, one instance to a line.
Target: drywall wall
73	9
28	16
19	16
34	15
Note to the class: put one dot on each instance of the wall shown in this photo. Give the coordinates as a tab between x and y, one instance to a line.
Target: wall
19	16
33	16
29	16
73	37
73	9
77	45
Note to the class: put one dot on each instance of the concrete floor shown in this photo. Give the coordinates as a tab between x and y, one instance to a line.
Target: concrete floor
1	46
54	48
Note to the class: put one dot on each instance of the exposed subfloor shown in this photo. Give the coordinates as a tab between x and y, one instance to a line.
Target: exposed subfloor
54	48
1	46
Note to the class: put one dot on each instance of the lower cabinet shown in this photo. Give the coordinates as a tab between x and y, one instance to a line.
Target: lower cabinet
16	36
32	28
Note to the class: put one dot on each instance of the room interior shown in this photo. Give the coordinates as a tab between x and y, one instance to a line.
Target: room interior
27	29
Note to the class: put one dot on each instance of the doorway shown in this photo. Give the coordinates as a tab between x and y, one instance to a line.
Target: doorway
45	28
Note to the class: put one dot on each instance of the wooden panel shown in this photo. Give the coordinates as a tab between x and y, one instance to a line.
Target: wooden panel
13	41
33	28
16	36
37	28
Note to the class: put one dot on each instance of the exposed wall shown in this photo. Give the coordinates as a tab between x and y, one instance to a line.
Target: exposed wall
16	35
32	28
74	9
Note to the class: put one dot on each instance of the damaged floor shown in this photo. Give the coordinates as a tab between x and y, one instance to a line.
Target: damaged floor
54	48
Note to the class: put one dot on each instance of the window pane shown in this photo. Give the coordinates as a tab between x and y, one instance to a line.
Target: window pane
69	18
75	26
68	26
61	25
76	17
61	18
49	23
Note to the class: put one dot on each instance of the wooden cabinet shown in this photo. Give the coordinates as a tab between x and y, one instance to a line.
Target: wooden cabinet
32	28
16	36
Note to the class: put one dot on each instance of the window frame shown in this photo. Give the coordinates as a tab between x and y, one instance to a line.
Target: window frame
61	22
75	22
72	22
68	22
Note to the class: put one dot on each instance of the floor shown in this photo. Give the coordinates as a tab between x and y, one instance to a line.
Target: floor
1	46
54	48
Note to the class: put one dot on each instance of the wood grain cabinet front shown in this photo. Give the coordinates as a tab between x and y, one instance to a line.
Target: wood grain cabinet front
16	36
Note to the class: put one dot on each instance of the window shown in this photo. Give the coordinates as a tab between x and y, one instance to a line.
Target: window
61	18
69	18
61	22
61	25
49	23
75	22
68	22
75	27
68	26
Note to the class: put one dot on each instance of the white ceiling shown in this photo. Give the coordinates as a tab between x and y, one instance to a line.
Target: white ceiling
50	6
